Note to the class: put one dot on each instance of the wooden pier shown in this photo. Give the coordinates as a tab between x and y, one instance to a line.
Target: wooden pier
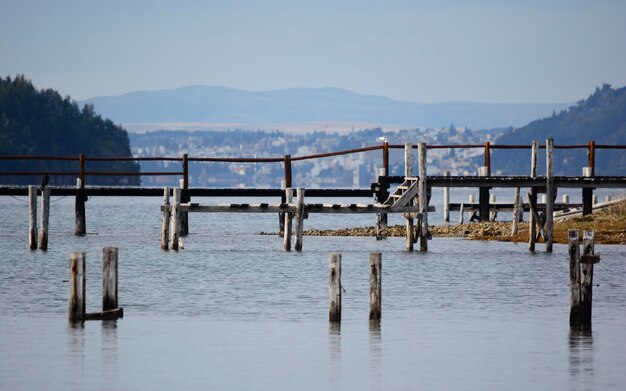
411	196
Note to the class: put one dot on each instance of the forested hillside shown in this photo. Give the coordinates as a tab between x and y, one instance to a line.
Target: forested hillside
601	117
41	122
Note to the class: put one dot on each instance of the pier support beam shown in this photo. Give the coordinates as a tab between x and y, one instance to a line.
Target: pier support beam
288	220
32	217
446	200
550	194
408	172
532	198
587	193
299	218
423	197
175	220
165	224
45	219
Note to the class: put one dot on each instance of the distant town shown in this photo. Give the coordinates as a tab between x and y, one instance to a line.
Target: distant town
356	170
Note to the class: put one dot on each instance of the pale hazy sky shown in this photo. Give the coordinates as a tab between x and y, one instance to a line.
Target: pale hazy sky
420	51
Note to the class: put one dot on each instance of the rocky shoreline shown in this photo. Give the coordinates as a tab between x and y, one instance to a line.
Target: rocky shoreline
609	226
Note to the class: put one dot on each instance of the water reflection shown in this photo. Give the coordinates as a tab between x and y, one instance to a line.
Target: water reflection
76	346
375	342
581	368
109	344
334	350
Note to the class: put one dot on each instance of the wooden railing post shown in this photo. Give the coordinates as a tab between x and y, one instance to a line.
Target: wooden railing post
488	157
287	171
386	157
591	155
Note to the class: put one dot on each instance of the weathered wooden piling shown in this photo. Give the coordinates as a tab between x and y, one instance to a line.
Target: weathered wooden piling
77	287
281	215
423	197
565	199
446	200
550	194
574	277
375	286
587	193
334	287
408	172
165	224
288	220
532	198
80	227
45	219
483	196
32	217
299	218
461	211
109	278
587	260
175	219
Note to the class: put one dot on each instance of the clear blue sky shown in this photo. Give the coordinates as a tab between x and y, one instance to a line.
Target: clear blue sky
420	51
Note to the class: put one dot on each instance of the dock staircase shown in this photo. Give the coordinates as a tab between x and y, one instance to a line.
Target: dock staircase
404	194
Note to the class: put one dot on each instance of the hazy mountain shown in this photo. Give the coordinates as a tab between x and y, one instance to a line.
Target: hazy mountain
228	105
601	117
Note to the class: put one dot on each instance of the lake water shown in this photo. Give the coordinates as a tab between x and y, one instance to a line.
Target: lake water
233	311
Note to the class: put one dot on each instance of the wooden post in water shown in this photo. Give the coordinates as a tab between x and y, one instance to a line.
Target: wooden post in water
446	200
423	197
574	278
532	198
334	288
550	194
288	220
408	172
77	287
32	217
587	260
299	218
461	211
175	219
375	286
45	218
165	224
80	228
109	278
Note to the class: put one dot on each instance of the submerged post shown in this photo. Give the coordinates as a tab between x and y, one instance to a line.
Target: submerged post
288	220
165	224
423	197
334	288
299	218
375	286
32	217
446	200
77	303
175	219
109	278
45	218
550	194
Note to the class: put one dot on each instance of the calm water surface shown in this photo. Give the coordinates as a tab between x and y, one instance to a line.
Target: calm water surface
233	311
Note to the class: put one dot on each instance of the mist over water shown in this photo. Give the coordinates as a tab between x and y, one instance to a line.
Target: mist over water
234	311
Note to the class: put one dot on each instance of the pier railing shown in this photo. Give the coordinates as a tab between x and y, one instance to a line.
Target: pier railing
287	160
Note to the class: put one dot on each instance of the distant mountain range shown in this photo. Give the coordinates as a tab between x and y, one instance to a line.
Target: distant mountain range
204	104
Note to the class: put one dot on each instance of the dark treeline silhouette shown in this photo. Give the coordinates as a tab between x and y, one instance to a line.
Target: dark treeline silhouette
601	117
41	122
